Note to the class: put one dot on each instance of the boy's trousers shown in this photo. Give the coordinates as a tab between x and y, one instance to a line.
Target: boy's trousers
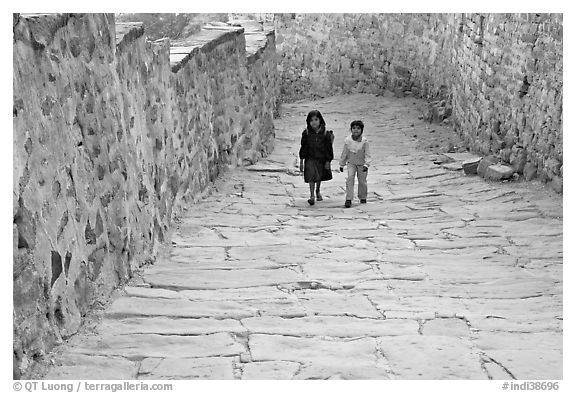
353	171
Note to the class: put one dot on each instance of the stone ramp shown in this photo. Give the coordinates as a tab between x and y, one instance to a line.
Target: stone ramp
439	276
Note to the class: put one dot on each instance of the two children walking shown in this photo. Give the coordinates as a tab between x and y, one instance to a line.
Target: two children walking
316	153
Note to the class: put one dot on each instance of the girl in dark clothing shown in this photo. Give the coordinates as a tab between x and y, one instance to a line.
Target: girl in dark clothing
316	153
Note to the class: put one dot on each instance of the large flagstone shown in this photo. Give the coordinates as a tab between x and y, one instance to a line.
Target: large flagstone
140	346
431	357
238	294
530	364
221	279
336	326
201	368
178	308
170	326
278	370
80	366
265	347
326	302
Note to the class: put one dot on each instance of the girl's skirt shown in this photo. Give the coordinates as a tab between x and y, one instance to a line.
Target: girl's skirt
314	171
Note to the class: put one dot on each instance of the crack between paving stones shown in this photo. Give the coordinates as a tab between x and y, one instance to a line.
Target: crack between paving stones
181	334
380	350
300	368
544	330
177	317
243	339
553	259
227	254
284	289
506	193
180	288
138	373
324	337
499	364
237	369
131	358
404	279
247	343
375	307
497	298
483	367
103	356
421	323
220	235
323	315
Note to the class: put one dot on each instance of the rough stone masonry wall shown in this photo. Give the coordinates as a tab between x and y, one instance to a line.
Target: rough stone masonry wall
263	92
507	94
499	75
111	134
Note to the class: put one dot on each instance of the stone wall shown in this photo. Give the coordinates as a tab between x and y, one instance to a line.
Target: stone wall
263	92
111	135
498	75
507	99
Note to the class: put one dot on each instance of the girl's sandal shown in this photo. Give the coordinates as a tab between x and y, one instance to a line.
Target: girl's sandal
318	197
311	201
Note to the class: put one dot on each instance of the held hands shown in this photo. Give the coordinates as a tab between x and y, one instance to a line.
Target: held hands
364	169
327	165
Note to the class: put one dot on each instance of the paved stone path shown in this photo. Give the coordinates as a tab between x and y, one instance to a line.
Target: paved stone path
439	276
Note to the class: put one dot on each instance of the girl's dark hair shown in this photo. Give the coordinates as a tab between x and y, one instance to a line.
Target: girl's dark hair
317	114
357	123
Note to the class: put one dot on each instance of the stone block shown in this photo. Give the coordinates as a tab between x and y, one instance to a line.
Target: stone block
471	166
452	166
498	172
431	357
485	163
73	366
462	156
270	370
219	368
453	327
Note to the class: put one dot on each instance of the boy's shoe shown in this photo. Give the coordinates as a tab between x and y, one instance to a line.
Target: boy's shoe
362	200
318	197
348	203
311	201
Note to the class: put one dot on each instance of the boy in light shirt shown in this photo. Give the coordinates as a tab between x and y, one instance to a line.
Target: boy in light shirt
356	156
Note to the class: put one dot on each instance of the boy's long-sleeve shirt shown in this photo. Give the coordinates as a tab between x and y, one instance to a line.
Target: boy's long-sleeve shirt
355	152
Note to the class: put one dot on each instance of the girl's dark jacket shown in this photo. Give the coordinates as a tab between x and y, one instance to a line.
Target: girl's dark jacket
316	145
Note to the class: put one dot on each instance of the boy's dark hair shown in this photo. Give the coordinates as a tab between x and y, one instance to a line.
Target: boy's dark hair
357	123
315	113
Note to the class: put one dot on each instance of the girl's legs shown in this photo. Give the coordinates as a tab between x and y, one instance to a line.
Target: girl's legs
311	200
318	196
